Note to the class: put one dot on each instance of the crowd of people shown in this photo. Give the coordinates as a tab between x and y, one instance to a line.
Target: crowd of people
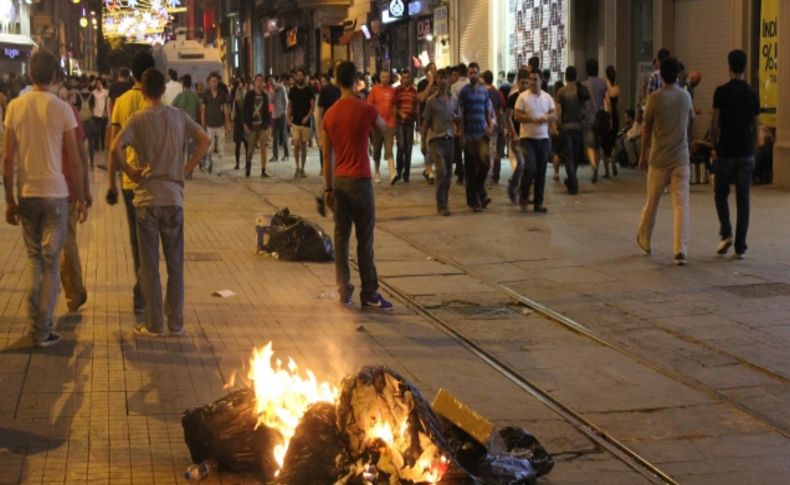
158	128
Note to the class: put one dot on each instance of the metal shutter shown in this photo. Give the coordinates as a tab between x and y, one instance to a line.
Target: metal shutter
473	32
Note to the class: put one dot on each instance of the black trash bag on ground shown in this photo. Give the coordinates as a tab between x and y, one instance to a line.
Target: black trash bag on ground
226	431
296	239
523	444
506	469
316	453
376	397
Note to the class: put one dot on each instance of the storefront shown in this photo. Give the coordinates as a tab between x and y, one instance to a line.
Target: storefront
15	42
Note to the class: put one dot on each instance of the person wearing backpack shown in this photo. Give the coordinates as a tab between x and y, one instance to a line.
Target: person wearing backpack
597	121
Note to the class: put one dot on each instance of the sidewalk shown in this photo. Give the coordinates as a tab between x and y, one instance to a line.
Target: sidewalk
104	406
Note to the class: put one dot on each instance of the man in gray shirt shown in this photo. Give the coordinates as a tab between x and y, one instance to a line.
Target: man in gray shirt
157	133
279	125
440	123
569	118
668	112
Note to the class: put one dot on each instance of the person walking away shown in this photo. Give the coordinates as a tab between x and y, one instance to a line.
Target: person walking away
300	111
440	125
215	120
498	104
513	130
85	106
173	87
554	132
100	96
70	264
735	128
116	90
382	96
236	115
535	111
653	83
596	118
478	123
347	187
189	102
38	126
125	106
460	80
608	142
279	120
426	88
328	94
406	108
257	120
157	134
665	138
570	124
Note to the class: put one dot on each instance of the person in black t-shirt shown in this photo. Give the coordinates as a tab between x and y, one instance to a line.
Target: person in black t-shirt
326	98
734	128
512	130
300	111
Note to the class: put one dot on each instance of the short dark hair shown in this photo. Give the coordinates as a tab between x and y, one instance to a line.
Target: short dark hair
124	73
523	73
546	74
153	83
300	69
214	74
662	54
630	113
611	74
43	65
472	65
737	61
462	69
443	73
141	62
534	63
488	77
591	66
186	80
346	74
173	74
570	74
670	68
511	76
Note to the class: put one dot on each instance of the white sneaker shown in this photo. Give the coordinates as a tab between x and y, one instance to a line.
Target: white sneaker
377	178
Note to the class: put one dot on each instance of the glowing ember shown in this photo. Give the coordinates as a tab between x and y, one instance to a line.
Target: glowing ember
283	395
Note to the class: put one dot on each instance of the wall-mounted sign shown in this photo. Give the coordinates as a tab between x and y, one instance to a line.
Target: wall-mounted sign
440	21
397	9
424	28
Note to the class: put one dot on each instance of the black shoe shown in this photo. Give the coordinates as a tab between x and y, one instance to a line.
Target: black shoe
236	167
460	181
394	180
431	181
541	209
476	208
51	340
511	194
595	177
427	178
444	211
273	159
486	202
614	170
264	175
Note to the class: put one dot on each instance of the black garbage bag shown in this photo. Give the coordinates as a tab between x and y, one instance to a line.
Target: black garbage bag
524	445
316	453
506	469
225	430
296	239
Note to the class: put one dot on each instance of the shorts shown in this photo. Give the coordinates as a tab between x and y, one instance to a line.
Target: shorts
257	135
300	134
591	138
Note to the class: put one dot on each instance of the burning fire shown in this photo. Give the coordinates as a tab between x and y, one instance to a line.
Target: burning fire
283	395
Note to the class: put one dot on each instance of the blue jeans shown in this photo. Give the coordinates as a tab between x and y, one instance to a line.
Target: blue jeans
405	144
44	224
131	218
166	223
739	171
536	159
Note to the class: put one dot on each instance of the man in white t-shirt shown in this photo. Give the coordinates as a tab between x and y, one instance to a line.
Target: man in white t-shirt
173	87
39	126
534	110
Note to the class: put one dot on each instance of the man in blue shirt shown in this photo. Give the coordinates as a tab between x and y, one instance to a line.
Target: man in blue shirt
477	116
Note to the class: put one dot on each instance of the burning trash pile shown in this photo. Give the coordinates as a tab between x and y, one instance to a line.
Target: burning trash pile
375	429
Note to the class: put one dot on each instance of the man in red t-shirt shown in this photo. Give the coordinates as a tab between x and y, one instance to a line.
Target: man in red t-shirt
406	115
347	187
382	96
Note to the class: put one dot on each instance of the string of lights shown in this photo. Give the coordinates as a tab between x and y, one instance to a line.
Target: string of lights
137	20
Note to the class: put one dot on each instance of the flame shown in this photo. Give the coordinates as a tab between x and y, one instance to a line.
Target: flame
382	431
283	395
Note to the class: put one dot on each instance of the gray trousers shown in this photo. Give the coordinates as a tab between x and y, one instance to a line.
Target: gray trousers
165	223
355	205
44	223
70	264
442	151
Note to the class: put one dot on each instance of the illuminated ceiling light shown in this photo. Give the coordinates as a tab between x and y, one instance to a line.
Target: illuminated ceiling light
75	1
83	22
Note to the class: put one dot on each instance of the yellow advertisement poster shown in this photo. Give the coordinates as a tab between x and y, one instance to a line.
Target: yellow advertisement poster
769	53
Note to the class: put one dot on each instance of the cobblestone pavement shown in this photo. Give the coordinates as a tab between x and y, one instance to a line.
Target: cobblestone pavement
694	377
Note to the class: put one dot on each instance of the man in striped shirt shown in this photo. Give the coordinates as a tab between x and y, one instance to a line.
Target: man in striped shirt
406	117
478	122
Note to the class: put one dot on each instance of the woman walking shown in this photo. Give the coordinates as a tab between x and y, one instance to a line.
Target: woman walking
613	91
236	114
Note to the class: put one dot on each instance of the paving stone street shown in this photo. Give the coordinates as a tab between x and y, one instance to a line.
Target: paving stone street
688	366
